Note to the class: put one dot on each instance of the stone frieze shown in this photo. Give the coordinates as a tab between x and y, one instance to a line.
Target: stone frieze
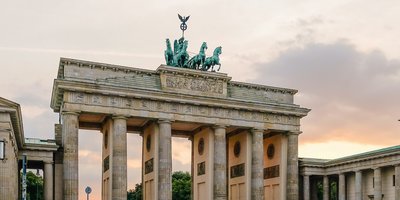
179	108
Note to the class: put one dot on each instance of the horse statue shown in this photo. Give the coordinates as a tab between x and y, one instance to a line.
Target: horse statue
169	54
210	62
181	57
196	61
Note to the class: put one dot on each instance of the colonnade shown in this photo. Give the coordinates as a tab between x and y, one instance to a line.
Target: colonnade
163	161
309	185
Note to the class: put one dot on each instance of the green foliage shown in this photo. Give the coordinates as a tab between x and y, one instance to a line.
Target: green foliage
135	194
181	187
34	186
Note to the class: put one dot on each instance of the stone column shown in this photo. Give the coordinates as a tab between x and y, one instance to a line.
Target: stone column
70	143
342	186
306	187
48	181
377	184
397	182
119	159
165	161
326	188
220	180
257	163
292	167
358	185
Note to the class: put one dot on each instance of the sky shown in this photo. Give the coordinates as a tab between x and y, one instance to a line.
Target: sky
343	57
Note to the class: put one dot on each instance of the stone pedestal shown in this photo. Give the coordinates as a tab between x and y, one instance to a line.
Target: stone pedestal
70	143
377	184
257	162
326	188
48	181
220	180
342	186
292	167
119	159
165	161
358	185
306	187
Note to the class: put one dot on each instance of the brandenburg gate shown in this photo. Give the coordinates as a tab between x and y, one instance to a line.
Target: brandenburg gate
244	136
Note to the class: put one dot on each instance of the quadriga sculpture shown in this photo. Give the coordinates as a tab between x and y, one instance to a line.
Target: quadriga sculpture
178	57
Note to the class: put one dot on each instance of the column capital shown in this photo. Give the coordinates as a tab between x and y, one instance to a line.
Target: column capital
48	162
119	117
215	126
294	132
164	121
376	168
76	113
257	130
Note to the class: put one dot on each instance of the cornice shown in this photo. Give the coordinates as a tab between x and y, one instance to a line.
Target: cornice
274	108
98	65
263	87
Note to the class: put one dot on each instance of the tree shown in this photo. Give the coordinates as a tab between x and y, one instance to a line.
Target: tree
34	189
181	187
135	194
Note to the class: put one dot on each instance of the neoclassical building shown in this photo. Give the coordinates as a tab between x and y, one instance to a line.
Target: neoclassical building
244	137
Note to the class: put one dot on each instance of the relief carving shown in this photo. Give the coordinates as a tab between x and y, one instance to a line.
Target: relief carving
191	84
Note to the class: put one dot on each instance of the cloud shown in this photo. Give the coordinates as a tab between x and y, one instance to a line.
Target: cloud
353	94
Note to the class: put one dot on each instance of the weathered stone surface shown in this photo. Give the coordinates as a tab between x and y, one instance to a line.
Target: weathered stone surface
70	143
119	159
48	181
377	184
342	186
325	188
257	162
306	187
220	181
165	161
292	167
358	185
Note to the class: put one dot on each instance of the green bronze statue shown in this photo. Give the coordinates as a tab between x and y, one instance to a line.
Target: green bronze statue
210	62
169	54
179	57
198	60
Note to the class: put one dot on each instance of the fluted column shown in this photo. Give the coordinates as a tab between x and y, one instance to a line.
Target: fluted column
306	187
292	167
70	143
397	182
377	184
257	163
119	159
342	186
358	185
165	161
326	188
48	181
220	182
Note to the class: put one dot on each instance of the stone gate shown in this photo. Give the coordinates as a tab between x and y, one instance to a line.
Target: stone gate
244	136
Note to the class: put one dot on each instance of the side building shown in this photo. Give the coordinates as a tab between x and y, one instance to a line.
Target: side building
14	146
369	176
